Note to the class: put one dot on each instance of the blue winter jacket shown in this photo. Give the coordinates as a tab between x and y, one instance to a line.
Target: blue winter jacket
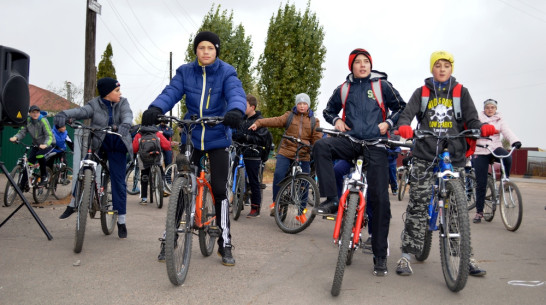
362	112
210	90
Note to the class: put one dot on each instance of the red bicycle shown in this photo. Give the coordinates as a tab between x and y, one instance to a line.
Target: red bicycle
351	217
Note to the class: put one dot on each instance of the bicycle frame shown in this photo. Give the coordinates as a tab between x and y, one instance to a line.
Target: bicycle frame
443	171
503	178
198	206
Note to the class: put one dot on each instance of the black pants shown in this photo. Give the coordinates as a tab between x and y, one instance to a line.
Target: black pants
144	183
253	168
481	165
37	154
219	165
328	149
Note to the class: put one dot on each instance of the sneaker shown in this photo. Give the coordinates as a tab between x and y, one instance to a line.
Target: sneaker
143	201
394	193
225	253
43	182
254	213
404	267
122	230
380	266
69	211
478	218
166	194
368	243
327	207
301	218
161	256
475	269
272	209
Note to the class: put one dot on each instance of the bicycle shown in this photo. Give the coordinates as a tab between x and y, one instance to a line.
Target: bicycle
93	196
351	216
447	213
39	194
503	193
156	183
191	206
132	177
298	193
403	177
61	177
470	185
171	172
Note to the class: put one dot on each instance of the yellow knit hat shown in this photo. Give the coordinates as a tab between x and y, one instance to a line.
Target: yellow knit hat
434	57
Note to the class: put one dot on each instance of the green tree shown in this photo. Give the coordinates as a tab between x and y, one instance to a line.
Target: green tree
292	61
106	67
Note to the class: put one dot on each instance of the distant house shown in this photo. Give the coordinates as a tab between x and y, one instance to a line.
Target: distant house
48	100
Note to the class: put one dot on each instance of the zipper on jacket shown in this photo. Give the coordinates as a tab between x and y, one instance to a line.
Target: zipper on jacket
201	107
208	98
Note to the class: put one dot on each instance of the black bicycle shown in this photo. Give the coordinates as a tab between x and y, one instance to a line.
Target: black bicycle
60	183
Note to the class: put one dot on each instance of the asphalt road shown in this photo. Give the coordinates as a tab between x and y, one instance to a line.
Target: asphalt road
272	267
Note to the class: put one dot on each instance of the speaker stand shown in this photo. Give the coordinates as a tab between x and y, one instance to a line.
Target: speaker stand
25	202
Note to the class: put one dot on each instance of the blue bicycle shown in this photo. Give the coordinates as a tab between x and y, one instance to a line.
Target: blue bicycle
447	212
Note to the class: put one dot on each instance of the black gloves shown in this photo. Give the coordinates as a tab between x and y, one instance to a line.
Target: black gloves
149	117
60	119
123	129
233	118
517	145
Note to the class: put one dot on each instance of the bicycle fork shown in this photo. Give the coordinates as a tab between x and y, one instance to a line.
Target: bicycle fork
359	222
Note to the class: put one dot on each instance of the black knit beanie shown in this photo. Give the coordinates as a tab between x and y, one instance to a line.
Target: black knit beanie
106	85
207	36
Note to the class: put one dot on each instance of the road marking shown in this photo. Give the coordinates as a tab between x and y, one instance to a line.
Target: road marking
526	283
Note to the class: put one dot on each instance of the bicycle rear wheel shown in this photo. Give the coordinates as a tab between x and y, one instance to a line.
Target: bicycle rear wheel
171	172
84	198
403	185
10	194
470	190
345	242
62	183
511	206
132	180
455	237
178	232
239	193
40	194
295	200
157	186
490	200
209	232
108	216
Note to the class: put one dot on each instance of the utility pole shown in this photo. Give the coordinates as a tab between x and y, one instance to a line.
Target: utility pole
171	76
90	73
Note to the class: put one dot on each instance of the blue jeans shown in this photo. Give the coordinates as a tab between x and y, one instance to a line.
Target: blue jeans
281	170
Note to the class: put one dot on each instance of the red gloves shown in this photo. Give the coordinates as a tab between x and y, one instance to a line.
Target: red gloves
406	132
488	130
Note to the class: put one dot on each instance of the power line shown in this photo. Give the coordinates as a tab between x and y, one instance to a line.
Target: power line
176	18
143	28
523	11
187	15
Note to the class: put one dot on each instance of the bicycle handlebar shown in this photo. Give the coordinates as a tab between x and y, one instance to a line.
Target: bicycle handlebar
495	155
467	133
211	121
107	129
297	140
371	142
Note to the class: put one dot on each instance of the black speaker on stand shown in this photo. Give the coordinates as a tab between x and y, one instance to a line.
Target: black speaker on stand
14	105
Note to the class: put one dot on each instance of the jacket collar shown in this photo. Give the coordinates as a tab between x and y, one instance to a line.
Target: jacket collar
374	76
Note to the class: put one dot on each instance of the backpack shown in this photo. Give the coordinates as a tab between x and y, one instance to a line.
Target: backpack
149	148
376	87
267	147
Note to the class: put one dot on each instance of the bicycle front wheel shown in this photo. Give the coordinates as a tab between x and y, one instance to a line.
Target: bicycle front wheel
171	173
426	246
132	180
209	232
470	190
157	186
455	237
403	185
239	193
62	183
295	200
511	206
40	194
108	216
10	194
490	201
178	232
84	197
345	242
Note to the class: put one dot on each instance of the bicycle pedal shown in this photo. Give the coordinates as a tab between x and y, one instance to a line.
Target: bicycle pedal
214	231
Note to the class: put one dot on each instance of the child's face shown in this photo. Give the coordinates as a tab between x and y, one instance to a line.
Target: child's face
490	109
206	53
114	96
442	70
62	129
302	107
35	114
361	66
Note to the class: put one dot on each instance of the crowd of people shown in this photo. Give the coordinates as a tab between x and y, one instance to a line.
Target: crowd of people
366	106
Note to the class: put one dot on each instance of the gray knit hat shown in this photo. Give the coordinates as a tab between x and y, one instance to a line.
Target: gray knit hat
303	98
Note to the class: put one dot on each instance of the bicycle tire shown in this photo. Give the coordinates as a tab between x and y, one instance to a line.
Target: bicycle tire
427	244
157	186
403	185
171	172
208	212
490	200
62	183
132	180
178	232
344	242
296	199
108	216
84	196
511	206
470	190
40	194
238	196
10	194
455	237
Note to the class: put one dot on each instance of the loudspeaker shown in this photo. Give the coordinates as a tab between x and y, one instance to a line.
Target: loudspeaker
14	93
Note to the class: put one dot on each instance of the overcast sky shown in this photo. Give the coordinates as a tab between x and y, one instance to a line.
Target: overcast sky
498	44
